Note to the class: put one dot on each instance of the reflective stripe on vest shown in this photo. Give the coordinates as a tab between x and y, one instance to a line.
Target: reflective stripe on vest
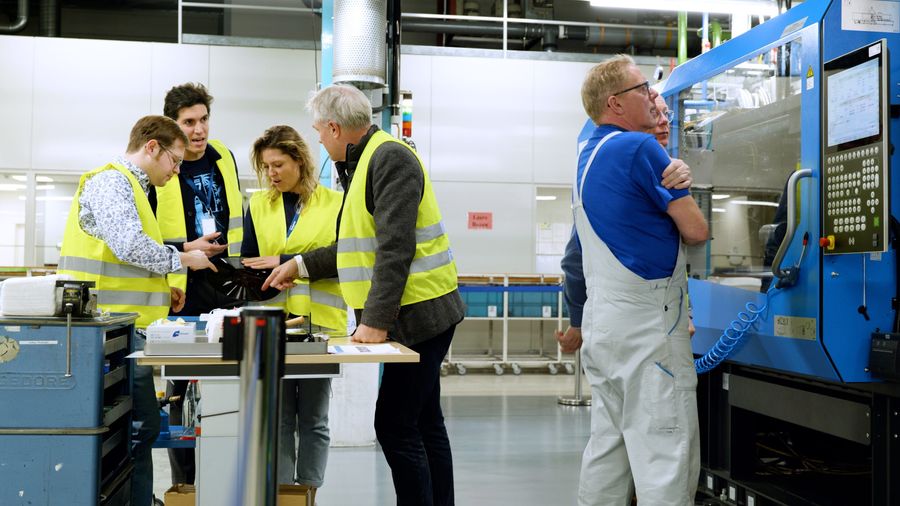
432	271
314	229
120	287
170	210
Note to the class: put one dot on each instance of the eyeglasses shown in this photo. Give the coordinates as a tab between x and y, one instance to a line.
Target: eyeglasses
644	87
670	116
176	161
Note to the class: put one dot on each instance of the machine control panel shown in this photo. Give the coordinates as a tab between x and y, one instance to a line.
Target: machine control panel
855	156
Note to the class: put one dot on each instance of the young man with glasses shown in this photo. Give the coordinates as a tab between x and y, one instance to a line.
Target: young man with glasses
113	239
636	350
200	210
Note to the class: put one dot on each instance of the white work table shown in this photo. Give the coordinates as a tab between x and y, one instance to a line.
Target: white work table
217	447
405	355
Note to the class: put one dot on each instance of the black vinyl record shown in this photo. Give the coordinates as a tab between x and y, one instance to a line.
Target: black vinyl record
238	282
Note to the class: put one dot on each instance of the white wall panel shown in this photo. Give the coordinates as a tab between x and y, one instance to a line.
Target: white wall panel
482	119
174	65
558	118
16	90
256	88
509	246
415	76
87	96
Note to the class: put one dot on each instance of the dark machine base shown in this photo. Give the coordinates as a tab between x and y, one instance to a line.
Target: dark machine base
769	438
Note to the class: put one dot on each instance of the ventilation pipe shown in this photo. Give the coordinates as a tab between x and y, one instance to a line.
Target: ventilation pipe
644	36
359	48
21	19
49	18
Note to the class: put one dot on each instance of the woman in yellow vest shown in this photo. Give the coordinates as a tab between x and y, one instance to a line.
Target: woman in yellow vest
293	216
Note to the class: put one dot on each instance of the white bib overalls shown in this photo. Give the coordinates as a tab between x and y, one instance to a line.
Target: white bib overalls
637	357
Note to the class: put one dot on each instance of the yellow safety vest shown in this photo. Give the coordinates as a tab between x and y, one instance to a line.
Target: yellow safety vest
120	287
320	300
170	210
432	272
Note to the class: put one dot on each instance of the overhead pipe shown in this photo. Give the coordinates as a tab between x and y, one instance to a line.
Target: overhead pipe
21	19
682	37
393	13
715	30
550	34
49	18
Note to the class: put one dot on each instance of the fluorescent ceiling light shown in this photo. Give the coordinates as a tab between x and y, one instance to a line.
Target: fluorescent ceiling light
746	7
546	197
61	198
720	196
44	187
718	210
11	187
754	203
39	179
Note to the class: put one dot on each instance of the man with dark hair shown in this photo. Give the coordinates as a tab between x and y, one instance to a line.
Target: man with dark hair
200	210
113	239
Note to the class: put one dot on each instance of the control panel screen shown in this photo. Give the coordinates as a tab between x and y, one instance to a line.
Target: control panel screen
855	157
853	104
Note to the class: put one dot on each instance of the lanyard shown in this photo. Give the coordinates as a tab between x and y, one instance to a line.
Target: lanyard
294	219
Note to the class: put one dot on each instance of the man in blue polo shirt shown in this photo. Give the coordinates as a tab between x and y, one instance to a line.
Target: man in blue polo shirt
677	175
636	351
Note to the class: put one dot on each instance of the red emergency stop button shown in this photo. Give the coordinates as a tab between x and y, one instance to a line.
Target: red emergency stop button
827	242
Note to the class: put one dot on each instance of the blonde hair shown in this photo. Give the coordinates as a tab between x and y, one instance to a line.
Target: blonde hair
601	82
289	142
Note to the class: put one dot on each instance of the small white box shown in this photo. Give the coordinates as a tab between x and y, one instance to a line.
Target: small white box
547	311
172	331
492	311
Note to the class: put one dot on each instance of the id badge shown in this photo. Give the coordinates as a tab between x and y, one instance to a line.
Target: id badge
208	224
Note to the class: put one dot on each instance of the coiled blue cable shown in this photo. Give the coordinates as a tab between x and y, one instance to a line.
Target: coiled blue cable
732	336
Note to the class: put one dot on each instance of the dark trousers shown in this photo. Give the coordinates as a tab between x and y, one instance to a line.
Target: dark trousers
410	427
181	460
146	421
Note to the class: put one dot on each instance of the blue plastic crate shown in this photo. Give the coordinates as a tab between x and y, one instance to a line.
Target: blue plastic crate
478	299
531	303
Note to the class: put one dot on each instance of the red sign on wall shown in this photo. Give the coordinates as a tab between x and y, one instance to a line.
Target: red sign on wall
481	221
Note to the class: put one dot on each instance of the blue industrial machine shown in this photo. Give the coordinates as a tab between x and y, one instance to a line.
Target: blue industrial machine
790	132
65	410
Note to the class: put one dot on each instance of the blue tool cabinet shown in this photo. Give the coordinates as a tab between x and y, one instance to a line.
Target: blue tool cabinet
65	411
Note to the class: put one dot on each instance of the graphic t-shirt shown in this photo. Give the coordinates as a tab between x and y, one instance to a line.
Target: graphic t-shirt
207	194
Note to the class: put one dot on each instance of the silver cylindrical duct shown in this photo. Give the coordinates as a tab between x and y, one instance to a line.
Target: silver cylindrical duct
359	42
262	366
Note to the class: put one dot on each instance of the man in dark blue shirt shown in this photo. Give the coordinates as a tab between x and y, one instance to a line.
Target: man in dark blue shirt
201	209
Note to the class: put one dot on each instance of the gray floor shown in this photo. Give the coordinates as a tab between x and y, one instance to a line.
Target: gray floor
512	444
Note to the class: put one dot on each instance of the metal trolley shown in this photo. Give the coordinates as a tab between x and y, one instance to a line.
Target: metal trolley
504	300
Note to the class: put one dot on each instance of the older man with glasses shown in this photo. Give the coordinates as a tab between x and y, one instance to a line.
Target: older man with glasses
676	176
636	349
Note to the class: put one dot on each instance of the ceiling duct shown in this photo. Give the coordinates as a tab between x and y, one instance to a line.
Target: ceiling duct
359	42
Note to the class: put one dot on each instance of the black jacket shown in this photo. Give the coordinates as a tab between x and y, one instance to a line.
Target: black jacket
394	189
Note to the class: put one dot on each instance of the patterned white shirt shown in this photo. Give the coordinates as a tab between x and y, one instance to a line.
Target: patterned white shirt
107	211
